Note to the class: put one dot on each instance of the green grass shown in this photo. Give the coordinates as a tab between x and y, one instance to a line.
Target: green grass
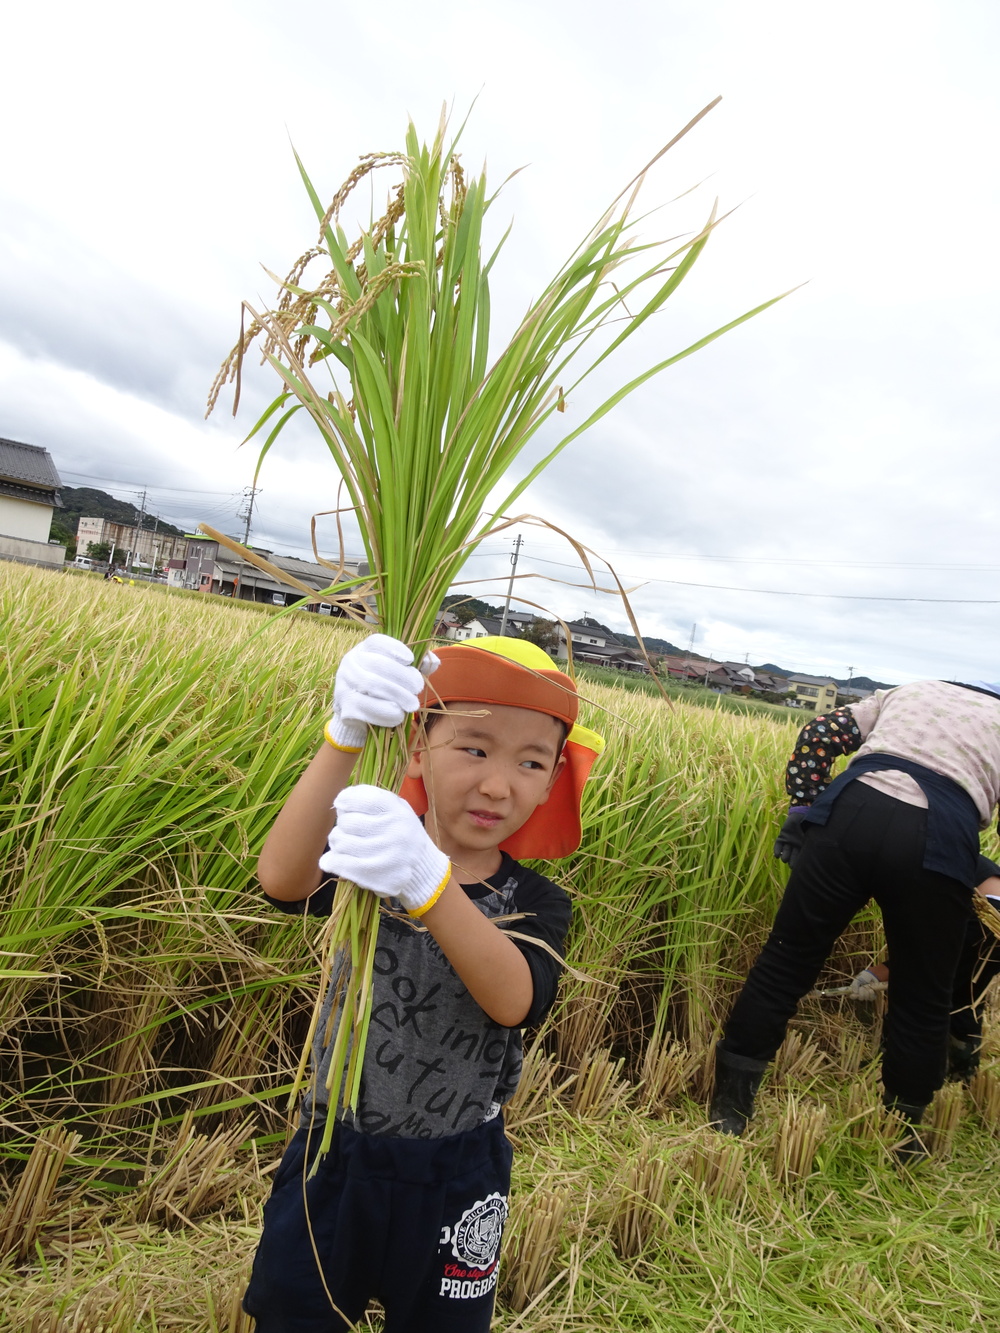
689	694
147	741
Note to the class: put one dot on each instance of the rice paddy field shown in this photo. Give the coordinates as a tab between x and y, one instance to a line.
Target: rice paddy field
152	1012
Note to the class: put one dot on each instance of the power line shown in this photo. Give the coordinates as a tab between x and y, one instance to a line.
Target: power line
486	548
137	486
785	592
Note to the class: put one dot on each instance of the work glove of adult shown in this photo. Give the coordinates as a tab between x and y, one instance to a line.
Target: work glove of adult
376	686
379	843
866	985
791	835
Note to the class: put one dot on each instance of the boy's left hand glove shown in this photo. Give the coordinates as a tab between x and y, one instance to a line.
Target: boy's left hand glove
379	843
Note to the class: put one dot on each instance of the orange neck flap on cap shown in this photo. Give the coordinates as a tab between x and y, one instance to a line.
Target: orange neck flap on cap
504	671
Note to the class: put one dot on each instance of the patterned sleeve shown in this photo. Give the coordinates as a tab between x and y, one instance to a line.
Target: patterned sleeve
820	742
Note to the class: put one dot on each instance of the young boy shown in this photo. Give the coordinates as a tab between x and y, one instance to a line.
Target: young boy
409	1204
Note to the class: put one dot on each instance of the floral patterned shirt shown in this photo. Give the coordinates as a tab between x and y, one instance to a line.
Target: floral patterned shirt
820	742
953	730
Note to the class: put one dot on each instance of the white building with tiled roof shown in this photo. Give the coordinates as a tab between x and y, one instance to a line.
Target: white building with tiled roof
29	491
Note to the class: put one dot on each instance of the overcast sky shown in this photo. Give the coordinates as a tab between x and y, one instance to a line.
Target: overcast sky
843	443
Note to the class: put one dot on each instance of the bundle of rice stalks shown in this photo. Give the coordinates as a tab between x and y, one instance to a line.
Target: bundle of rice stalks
540	1082
800	1133
195	1176
598	1086
715	1162
852	1051
28	1206
643	1209
864	1111
799	1059
532	1249
946	1112
667	1068
422	426
984	1088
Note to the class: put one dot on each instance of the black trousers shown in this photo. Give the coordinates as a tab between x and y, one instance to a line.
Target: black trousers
871	848
415	1223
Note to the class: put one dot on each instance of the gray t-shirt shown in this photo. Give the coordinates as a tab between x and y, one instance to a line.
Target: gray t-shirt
436	1063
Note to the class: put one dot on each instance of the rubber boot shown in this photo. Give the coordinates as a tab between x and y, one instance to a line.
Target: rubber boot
912	1149
963	1058
737	1079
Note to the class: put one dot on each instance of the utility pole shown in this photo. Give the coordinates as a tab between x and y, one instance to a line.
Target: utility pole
138	528
510	585
249	496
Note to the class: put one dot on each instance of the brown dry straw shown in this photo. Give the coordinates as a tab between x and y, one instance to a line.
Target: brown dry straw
598	1086
667	1068
800	1133
987	913
984	1088
715	1162
642	1211
799	1060
533	1248
194	1176
946	1112
28	1206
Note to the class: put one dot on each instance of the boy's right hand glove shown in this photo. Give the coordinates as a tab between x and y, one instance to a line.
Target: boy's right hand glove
866	985
791	835
376	686
379	843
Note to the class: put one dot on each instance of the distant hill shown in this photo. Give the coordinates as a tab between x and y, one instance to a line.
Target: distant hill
863	683
652	645
854	682
88	502
472	606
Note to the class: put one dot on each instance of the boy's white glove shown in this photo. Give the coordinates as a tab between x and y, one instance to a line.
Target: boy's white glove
379	843
866	985
376	686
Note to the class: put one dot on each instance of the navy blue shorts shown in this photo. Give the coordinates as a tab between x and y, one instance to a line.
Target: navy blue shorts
414	1223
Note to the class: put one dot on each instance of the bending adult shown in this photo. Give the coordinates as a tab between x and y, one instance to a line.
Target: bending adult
901	826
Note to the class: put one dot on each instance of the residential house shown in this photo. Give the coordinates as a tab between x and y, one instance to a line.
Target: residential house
595	644
817	693
210	567
29	491
697	671
741	677
479	627
772	683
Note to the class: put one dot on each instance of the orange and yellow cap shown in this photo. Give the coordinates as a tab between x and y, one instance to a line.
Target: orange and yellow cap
495	670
